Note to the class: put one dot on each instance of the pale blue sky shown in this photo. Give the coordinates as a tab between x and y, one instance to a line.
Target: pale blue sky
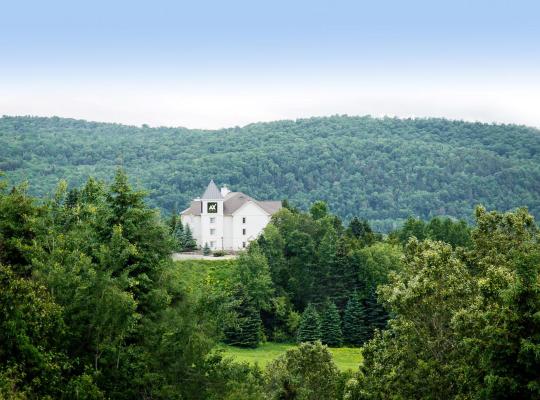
213	64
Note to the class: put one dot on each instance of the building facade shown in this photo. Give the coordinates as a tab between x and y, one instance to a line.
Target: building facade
227	220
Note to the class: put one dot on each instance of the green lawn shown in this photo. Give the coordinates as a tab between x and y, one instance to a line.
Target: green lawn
346	358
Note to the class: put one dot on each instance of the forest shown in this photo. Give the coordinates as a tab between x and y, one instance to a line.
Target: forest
93	307
381	170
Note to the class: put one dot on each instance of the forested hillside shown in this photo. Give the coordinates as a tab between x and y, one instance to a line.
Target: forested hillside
383	170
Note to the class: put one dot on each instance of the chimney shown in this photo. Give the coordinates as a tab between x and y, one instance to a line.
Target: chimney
225	191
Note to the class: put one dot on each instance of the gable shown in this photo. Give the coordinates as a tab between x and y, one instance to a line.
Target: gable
251	208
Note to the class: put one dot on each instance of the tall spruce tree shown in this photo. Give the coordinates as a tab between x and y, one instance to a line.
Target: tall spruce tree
179	235
189	242
245	331
331	334
376	315
206	250
324	273
355	326
310	325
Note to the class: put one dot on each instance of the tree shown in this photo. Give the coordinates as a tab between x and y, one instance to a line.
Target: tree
307	372
206	250
373	264
318	210
331	326
245	329
355	326
376	316
310	325
325	275
465	321
189	243
361	230
253	274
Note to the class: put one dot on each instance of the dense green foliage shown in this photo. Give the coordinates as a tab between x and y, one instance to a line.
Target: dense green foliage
355	322
383	170
466	322
456	233
304	373
331	334
310	325
91	305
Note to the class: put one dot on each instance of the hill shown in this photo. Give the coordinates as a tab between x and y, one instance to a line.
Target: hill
379	169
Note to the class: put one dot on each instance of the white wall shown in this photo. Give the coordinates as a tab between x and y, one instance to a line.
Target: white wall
256	220
228	232
206	225
228	228
194	222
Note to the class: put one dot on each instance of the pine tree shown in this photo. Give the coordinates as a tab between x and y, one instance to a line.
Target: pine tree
206	250
173	221
246	329
179	236
325	270
310	325
376	315
331	334
355	327
189	242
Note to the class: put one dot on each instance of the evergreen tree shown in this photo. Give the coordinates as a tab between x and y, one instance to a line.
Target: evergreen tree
173	221
355	327
324	274
189	242
310	325
245	330
331	334
319	209
376	315
206	250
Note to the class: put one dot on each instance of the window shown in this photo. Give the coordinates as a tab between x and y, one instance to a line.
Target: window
243	220
243	231
212	220
212	245
212	231
244	245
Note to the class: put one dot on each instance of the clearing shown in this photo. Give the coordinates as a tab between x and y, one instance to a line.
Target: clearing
346	358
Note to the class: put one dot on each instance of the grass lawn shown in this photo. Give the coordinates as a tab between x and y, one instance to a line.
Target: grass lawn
346	358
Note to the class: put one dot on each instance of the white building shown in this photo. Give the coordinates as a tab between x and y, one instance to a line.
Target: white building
227	220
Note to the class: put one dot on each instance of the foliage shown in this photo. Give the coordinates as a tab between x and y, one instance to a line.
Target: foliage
456	233
381	170
303	373
355	323
331	334
310	325
253	274
466	321
245	329
92	307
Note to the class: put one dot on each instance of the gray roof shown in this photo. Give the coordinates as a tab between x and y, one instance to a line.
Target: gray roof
232	202
193	209
270	206
212	192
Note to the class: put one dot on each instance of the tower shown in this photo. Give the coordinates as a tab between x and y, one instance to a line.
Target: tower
212	217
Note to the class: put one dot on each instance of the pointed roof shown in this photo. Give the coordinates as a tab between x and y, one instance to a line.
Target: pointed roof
212	192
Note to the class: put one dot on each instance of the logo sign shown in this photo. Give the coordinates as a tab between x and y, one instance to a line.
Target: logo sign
212	208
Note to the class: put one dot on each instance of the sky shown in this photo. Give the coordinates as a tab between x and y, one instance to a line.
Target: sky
214	64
